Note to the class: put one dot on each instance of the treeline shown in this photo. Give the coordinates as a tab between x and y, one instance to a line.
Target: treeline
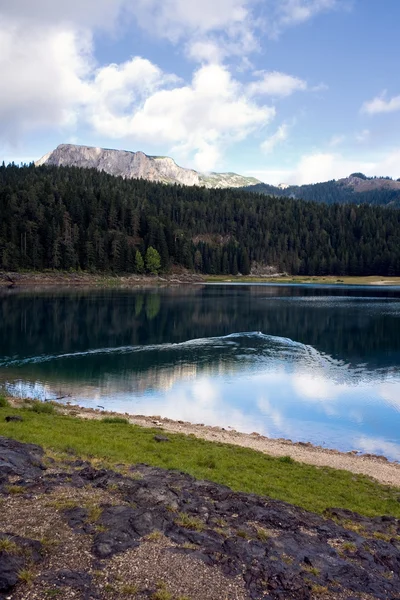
70	218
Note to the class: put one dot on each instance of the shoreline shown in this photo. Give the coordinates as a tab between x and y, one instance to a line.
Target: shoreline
377	467
20	280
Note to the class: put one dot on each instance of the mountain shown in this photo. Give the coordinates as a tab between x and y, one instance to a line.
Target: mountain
357	189
136	165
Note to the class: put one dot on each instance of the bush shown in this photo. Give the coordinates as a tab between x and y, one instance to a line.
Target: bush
119	420
286	459
4	403
42	407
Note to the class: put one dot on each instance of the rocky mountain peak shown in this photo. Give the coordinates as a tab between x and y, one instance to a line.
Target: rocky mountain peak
133	165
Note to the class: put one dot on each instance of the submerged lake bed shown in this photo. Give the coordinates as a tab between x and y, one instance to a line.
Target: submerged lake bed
309	363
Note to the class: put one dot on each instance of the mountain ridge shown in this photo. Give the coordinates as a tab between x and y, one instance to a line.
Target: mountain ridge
136	165
357	189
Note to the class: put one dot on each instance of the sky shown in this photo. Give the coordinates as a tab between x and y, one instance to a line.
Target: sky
288	91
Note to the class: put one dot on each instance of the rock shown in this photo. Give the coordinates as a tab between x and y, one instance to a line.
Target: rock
139	165
20	459
16	418
161	438
29	551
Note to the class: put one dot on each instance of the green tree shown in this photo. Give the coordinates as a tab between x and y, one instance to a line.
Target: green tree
139	263
152	260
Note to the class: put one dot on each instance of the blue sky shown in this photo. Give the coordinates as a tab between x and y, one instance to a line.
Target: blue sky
292	91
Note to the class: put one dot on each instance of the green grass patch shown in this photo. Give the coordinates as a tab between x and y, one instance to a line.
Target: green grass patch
44	408
4	402
116	420
242	469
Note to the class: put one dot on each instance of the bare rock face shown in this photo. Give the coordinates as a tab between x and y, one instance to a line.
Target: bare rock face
135	165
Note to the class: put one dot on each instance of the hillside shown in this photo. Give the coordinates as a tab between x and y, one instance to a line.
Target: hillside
357	189
69	218
135	165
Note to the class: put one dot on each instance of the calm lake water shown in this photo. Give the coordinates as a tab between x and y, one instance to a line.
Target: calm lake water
319	364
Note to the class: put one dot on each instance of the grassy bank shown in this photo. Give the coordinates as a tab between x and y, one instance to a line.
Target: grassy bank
327	280
114	442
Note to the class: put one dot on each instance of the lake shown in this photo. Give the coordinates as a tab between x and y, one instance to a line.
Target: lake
309	363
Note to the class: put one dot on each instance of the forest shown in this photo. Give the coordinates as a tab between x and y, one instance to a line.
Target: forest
80	219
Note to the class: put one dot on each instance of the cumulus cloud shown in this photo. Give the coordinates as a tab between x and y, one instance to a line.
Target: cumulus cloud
276	84
42	77
279	136
200	117
381	105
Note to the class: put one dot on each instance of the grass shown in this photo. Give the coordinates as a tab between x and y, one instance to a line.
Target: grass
162	592
26	576
44	408
188	522
116	420
15	489
4	402
8	546
242	469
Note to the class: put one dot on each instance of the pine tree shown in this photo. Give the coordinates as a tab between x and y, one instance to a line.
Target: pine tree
139	263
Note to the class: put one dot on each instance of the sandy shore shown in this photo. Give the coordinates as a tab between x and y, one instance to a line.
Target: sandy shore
377	467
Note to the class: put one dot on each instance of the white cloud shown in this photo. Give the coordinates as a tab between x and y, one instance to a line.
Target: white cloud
288	13
381	105
276	84
176	18
42	77
206	51
324	166
200	118
279	136
79	13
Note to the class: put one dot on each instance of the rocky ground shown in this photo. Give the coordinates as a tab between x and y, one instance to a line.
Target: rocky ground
20	281
72	530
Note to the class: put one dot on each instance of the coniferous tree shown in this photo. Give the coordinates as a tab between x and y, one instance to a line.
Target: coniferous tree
139	262
152	260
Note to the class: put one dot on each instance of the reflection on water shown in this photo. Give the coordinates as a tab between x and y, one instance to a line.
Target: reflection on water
310	364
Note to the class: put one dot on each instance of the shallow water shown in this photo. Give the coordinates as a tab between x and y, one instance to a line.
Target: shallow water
319	364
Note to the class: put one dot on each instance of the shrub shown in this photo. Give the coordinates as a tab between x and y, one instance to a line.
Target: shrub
44	408
4	403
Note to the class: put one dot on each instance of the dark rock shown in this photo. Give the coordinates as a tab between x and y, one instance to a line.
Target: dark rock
161	438
74	579
11	563
20	459
16	418
78	520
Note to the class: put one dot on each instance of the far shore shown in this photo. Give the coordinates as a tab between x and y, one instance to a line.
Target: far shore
376	466
16	280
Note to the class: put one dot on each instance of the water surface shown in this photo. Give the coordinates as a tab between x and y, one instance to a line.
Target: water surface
319	364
